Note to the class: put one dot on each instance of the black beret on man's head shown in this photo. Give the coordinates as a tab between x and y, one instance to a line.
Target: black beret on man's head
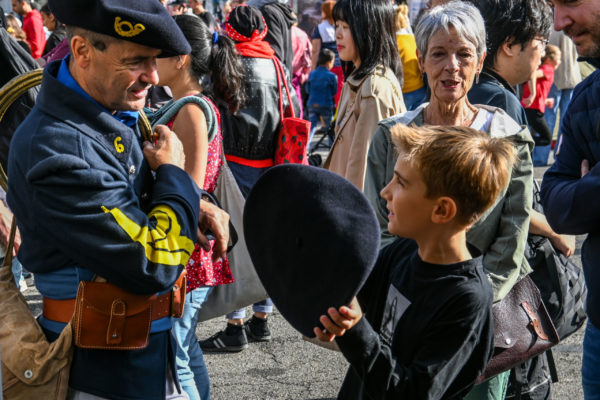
144	22
313	238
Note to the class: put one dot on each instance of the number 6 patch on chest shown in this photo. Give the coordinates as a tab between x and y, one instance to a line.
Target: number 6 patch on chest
118	142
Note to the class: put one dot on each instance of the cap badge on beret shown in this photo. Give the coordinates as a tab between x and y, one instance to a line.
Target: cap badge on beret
127	29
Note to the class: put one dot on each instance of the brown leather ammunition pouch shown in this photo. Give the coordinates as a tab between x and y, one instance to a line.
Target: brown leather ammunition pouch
108	317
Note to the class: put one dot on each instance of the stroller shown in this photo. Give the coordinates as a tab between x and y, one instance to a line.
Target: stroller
314	158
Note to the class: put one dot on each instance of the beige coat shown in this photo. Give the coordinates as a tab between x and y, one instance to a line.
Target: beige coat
363	103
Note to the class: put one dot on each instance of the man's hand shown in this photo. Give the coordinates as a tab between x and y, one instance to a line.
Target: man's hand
215	220
166	150
338	321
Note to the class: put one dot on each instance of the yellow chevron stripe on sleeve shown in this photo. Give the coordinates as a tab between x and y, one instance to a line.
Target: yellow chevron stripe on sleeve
163	244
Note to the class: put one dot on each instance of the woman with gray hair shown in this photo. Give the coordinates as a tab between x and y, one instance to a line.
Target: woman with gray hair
451	49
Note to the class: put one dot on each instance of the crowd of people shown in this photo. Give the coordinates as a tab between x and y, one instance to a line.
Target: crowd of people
437	117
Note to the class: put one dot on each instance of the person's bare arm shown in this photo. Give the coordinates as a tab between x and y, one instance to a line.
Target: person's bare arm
538	225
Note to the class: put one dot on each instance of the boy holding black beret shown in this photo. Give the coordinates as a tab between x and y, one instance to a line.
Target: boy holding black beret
428	331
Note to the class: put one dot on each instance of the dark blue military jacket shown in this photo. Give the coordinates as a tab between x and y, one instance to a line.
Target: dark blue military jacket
571	201
86	203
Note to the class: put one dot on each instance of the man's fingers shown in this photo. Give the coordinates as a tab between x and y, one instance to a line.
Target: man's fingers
203	241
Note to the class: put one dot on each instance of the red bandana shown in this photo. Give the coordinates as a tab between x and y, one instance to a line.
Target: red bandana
253	46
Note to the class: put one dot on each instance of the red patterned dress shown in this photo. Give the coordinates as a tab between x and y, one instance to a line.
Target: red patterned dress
201	270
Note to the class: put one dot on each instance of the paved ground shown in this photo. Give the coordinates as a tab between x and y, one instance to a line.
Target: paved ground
290	368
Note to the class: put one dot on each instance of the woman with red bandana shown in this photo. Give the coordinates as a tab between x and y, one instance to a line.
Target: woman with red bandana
249	139
197	126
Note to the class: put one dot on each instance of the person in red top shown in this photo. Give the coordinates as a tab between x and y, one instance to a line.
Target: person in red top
535	101
33	25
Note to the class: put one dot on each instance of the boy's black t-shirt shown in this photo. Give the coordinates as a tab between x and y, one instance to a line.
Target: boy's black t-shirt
428	331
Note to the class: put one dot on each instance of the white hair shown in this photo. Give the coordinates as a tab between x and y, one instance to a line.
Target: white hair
460	15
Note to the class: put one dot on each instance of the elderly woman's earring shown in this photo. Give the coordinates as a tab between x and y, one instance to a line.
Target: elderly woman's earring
477	78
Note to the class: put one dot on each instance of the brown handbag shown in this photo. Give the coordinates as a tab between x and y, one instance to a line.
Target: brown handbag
522	328
111	318
32	368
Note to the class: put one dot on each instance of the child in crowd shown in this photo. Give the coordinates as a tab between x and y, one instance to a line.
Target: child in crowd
321	88
429	327
535	97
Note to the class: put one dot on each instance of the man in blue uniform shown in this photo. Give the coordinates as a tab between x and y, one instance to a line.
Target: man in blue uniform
85	197
570	187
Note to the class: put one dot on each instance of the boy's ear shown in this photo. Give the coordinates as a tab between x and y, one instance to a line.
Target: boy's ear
444	210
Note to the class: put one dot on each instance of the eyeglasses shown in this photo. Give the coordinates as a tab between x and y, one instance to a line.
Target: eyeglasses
542	43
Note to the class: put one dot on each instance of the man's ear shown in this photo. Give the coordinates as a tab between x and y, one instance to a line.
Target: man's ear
444	210
508	47
81	51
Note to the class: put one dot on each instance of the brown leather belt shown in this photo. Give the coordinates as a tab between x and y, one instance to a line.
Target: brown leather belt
62	310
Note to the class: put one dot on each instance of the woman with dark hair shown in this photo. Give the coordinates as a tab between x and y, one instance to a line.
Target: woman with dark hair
324	38
365	37
215	57
249	139
59	31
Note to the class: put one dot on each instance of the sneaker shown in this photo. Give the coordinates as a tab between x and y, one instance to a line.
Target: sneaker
231	340
257	329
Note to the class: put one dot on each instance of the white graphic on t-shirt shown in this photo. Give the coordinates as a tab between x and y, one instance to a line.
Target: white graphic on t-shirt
396	304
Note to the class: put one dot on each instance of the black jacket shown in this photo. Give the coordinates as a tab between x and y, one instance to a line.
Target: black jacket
15	61
55	38
493	90
252	132
279	18
571	201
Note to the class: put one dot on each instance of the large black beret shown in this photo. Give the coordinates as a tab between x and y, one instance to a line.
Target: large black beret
313	238
145	22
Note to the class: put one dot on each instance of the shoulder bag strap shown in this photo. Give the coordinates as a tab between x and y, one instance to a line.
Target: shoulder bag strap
280	78
172	108
6	268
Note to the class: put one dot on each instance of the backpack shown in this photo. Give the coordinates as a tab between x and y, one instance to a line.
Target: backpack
560	281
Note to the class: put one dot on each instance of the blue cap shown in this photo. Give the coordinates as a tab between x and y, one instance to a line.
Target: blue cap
144	22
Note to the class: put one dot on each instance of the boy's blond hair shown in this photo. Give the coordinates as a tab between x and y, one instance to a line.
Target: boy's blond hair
459	162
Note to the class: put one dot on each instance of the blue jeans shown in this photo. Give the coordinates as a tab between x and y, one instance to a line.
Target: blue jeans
590	365
415	98
17	269
191	369
562	98
265	306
